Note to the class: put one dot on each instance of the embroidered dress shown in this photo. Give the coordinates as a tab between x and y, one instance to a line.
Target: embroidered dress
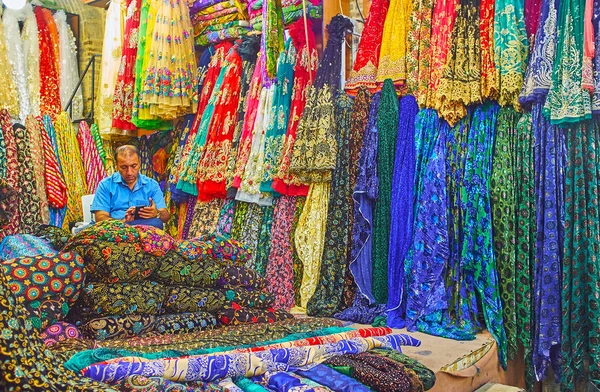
125	84
392	57
111	60
364	70
418	56
170	75
567	101
277	125
16	65
49	63
489	80
444	15
31	49
510	50
460	83
532	17
538	78
212	168
69	69
284	182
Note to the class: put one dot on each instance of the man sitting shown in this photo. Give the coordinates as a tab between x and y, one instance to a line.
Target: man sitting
118	195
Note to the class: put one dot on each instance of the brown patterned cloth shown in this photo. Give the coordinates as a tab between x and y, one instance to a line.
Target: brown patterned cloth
182	299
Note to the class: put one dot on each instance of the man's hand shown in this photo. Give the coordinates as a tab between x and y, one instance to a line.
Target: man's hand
150	211
129	214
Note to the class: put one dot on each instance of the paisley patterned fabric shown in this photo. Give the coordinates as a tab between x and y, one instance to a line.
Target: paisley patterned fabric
99	299
152	384
173	269
117	327
236	314
181	299
46	285
236	365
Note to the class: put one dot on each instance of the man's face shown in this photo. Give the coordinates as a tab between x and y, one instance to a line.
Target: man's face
129	168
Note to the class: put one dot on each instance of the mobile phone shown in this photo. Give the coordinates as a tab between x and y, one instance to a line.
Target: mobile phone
136	214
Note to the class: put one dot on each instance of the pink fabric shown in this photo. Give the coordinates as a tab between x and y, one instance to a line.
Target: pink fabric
94	168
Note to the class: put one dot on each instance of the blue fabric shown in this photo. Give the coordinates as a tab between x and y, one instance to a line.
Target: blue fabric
332	379
147	222
115	197
24	245
402	205
283	382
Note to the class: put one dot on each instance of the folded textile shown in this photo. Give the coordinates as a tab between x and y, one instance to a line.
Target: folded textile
333	379
59	332
109	262
181	299
236	314
427	376
116	327
199	5
109	230
155	241
378	373
200	17
219	23
183	323
215	367
56	236
248	298
210	10
140	383
283	382
248	386
99	299
226	248
174	269
24	245
48	284
234	276
214	37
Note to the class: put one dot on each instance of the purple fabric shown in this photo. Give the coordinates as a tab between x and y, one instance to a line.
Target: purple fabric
549	182
202	4
365	194
538	77
402	204
189	217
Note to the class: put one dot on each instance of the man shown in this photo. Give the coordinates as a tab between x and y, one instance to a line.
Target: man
118	195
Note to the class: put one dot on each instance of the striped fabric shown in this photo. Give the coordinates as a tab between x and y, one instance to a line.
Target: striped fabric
56	189
94	168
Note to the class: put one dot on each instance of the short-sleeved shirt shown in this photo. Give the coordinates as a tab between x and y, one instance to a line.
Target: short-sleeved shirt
114	196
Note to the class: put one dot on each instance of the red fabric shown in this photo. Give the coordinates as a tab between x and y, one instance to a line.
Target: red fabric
125	86
49	67
212	167
56	188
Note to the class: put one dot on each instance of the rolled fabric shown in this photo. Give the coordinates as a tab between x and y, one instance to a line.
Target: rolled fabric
181	299
236	314
123	298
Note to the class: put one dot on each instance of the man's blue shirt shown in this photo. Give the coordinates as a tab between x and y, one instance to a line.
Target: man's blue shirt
114	196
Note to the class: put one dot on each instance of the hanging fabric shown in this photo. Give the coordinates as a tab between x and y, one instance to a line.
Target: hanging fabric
31	50
49	63
17	60
35	128
418	51
69	69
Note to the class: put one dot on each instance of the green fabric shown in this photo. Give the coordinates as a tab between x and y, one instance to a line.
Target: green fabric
580	272
525	239
503	190
248	386
426	375
387	123
380	321
273	40
567	102
345	370
83	359
297	263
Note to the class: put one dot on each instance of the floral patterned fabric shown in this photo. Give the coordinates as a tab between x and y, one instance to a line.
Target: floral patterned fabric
47	284
24	245
99	299
155	241
59	332
56	236
173	269
236	314
181	299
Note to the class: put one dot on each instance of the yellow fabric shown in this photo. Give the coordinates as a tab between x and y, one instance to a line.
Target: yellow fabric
72	166
310	239
392	58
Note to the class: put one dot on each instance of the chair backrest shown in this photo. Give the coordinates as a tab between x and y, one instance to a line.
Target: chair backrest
86	204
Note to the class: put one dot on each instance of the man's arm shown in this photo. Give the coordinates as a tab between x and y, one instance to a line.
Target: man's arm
101	216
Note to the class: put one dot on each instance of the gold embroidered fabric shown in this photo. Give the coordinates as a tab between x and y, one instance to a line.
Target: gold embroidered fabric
31	50
34	128
7	84
111	60
392	58
418	57
315	151
461	79
309	239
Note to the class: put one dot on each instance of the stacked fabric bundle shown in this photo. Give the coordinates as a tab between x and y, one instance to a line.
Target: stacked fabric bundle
140	284
292	10
218	20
